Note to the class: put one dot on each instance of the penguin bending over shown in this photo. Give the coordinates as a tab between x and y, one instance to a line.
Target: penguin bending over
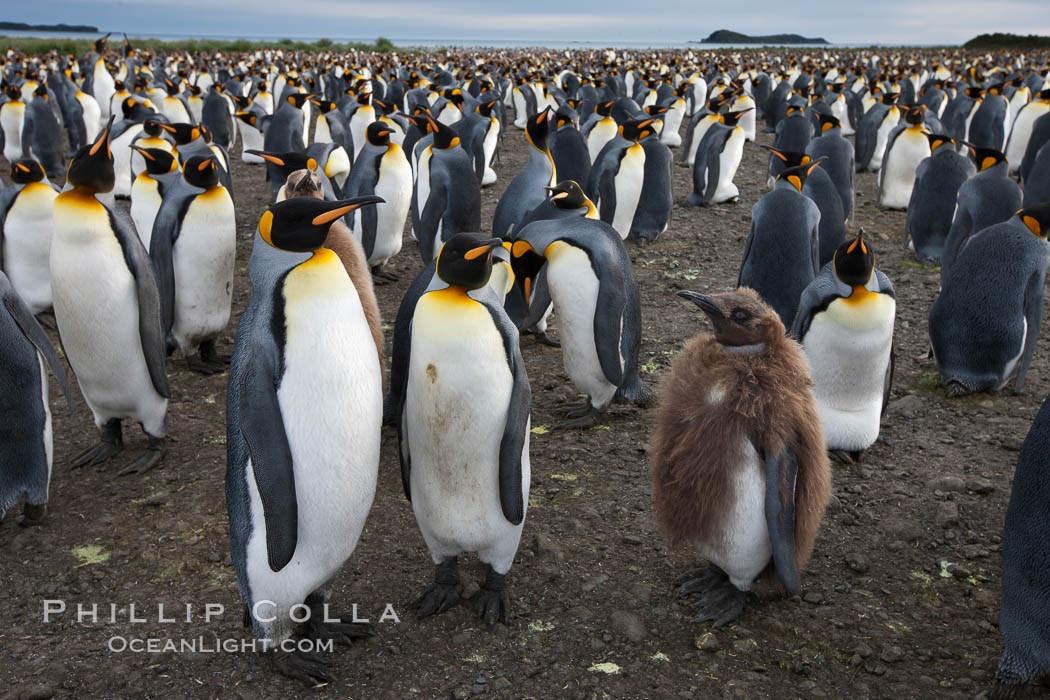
466	378
101	277
845	325
301	463
738	461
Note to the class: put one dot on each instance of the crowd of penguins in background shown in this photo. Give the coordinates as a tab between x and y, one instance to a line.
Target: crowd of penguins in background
798	364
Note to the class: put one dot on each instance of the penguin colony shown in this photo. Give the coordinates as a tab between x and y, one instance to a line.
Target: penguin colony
799	363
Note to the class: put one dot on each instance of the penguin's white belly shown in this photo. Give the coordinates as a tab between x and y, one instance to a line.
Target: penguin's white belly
395	187
93	289
1012	364
331	404
840	110
251	139
103	88
145	203
600	134
459	389
11	118
1022	133
728	163
672	122
848	346
747	122
27	245
359	122
322	134
175	111
449	115
121	148
338	166
744	549
574	293
202	260
489	146
628	182
520	109
881	136
92	115
698	135
898	174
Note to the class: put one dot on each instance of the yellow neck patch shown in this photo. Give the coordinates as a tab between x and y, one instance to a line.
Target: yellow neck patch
860	295
452	295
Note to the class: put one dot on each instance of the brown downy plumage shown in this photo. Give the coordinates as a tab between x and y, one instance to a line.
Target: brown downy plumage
722	392
305	183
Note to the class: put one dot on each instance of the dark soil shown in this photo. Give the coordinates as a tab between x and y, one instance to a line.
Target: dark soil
900	598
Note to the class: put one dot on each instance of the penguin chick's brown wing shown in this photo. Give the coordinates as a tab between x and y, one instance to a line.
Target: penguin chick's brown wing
712	403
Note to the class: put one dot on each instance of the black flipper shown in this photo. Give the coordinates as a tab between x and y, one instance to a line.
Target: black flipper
714	165
608	322
403	454
1033	313
747	251
781	471
514	432
369	221
433	211
607	196
262	427
888	384
35	335
541	299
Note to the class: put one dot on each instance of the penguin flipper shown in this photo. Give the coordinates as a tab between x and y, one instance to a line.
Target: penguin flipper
262	427
781	472
888	383
369	222
747	248
516	428
816	297
608	322
35	335
607	195
1033	312
429	219
714	162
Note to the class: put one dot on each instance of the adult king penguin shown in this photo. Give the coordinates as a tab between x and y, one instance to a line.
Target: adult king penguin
26	225
526	191
446	197
738	461
933	198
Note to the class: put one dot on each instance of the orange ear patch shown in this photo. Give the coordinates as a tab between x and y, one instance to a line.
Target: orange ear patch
474	253
330	216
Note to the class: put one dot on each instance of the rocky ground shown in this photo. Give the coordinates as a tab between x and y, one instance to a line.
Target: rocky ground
900	598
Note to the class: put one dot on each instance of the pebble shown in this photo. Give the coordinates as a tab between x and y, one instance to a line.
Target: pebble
863	650
892	655
629	625
947	514
979	485
858	562
632	539
813	597
594	583
946	483
905	406
744	646
708	642
501	683
959	571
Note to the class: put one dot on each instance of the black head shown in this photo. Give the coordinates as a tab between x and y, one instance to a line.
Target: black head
797	175
635	129
740	318
183	132
171	87
828	122
889	98
986	157
158	161
974	92
854	261
301	224
1037	218
567	194
13	93
92	166
100	44
938	140
249	118
466	260
41	91
383	108
26	170
323	106
378	133
298	99
537	128
604	108
444	136
916	115
790	158
732	118
152	127
485	108
289	162
201	171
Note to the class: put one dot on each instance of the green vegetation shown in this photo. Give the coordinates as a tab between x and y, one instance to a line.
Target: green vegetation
1008	41
34	45
725	36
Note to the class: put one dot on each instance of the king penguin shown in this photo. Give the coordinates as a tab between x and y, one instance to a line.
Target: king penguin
101	277
147	191
906	147
26	460
525	191
12	117
845	325
301	462
466	377
618	174
26	227
446	196
985	323
932	203
739	469
718	157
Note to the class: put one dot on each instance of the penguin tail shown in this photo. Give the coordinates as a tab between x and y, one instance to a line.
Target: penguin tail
634	391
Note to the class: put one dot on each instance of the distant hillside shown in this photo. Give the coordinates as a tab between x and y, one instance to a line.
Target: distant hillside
1008	41
724	36
22	27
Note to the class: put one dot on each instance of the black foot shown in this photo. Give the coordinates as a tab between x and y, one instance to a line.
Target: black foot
198	364
109	444
547	339
33	515
381	276
442	594
339	632
300	666
845	457
493	601
147	460
720	600
575	410
582	415
210	354
954	388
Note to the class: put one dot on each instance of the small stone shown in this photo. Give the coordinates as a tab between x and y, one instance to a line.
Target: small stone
892	655
461	694
959	571
744	646
813	597
947	514
979	485
157	499
629	625
858	562
905	406
1011	444
632	539
863	650
543	547
594	583
501	683
946	483
708	642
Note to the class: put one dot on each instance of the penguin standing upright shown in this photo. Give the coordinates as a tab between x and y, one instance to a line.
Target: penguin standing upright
42	134
286	129
101	277
446	196
618	174
383	170
601	131
933	198
466	376
1023	618
738	462
102	84
845	325
906	147
147	192
718	157
525	191
192	248
216	117
12	117
1020	132
363	115
568	147
985	323
656	200
580	265
26	226
25	461
874	129
301	462
250	127
782	253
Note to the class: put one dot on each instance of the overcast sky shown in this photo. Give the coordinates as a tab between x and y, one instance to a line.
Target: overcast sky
873	21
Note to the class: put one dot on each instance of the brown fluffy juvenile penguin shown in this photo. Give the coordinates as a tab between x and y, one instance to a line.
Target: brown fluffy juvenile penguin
306	183
738	460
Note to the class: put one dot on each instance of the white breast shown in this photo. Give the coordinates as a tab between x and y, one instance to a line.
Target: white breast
600	134
145	203
27	245
629	179
883	134
897	176
728	163
395	187
11	118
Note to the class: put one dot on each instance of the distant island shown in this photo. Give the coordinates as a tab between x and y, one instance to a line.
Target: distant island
72	28
1008	41
725	36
